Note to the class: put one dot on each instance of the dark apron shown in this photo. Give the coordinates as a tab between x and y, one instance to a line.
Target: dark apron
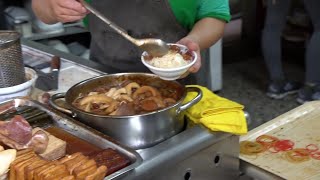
141	19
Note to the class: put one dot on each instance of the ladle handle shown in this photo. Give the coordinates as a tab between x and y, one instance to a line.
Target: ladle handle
107	21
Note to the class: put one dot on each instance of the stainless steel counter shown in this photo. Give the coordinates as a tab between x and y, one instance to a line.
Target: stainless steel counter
195	153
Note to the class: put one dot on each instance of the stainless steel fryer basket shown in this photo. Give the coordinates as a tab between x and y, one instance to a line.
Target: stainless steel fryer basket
11	63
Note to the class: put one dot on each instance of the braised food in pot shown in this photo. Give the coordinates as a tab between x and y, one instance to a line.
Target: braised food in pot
128	98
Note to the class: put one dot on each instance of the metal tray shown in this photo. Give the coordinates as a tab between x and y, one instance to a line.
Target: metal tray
300	125
80	130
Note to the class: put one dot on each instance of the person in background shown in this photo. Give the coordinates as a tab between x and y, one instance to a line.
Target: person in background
2	16
275	22
198	24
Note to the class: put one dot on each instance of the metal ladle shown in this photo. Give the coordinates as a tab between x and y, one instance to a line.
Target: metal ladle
154	47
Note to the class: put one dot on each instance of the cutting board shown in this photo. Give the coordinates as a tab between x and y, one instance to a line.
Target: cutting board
302	126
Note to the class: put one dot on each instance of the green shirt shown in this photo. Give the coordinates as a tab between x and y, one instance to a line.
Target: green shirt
188	12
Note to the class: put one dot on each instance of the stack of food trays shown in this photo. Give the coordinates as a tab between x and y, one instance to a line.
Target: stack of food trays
40	143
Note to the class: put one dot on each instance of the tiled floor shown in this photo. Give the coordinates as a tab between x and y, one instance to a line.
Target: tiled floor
245	82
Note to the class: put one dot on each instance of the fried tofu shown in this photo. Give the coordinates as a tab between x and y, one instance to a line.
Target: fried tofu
54	171
19	168
69	157
29	170
71	166
37	172
84	166
99	174
24	157
83	174
30	166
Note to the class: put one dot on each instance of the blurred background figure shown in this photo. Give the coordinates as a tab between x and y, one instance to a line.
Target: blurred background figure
281	86
2	20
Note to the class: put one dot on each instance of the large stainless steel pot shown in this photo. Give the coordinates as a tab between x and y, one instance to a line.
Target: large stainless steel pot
137	131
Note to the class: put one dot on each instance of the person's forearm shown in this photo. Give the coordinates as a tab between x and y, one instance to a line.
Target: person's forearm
43	11
206	32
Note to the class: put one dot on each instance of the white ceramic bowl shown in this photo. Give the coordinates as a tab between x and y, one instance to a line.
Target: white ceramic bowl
170	73
20	90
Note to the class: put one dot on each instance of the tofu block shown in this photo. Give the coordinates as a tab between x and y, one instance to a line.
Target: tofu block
56	147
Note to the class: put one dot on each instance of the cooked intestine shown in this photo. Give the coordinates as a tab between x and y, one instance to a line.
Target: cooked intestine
127	99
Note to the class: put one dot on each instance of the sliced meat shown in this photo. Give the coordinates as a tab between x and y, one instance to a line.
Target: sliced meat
9	142
17	129
17	134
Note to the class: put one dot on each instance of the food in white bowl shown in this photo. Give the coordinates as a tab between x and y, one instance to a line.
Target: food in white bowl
173	64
